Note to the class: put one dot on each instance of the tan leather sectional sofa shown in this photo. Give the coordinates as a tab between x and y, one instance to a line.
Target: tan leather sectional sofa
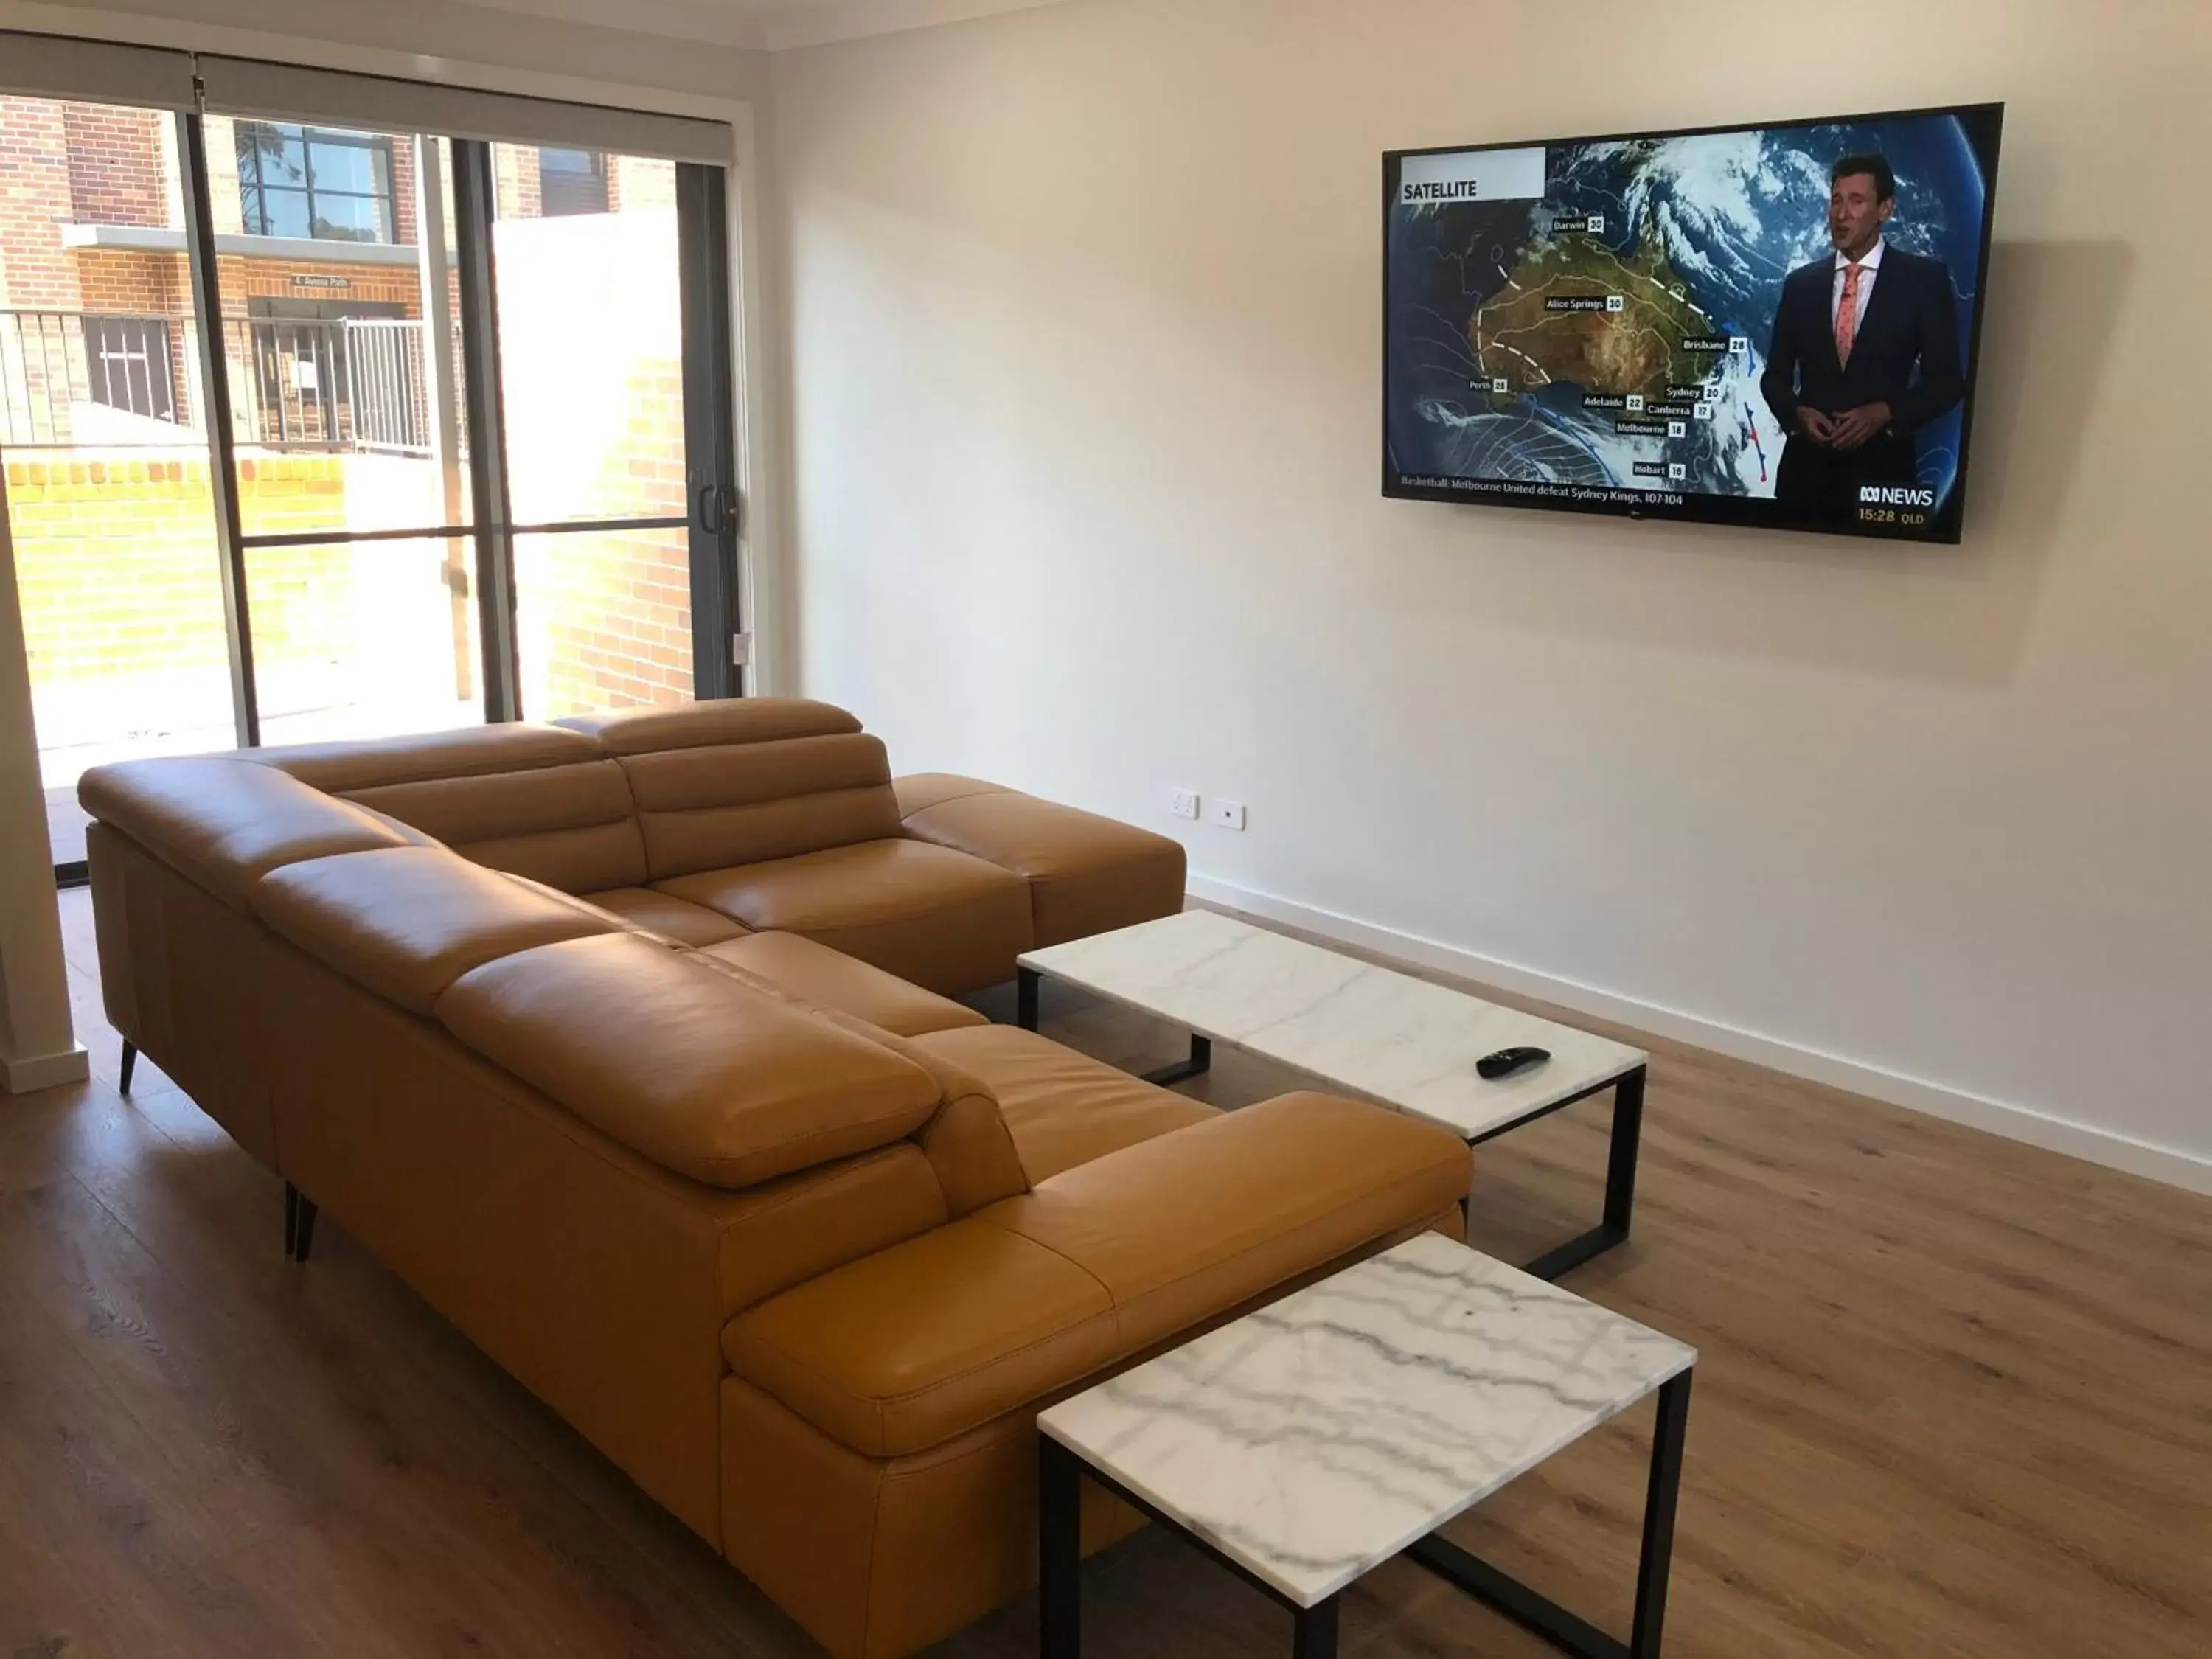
627	1042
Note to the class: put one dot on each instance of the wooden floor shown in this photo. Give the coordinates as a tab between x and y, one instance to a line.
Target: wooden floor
1954	1398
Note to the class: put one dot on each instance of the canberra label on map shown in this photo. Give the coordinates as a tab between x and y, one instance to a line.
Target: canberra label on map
1599	316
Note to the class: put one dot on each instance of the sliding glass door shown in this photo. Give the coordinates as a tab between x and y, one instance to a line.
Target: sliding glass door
105	439
348	392
392	407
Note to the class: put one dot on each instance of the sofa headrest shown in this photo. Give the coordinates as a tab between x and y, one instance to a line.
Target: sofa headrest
407	921
729	720
469	751
689	1065
226	822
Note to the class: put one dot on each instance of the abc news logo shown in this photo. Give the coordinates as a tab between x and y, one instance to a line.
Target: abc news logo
1896	496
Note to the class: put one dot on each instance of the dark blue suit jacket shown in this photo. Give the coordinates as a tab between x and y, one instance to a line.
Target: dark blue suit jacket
1910	321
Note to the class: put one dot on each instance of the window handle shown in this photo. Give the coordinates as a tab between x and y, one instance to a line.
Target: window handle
718	508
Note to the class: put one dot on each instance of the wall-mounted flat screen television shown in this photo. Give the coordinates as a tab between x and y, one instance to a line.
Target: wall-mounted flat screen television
1770	324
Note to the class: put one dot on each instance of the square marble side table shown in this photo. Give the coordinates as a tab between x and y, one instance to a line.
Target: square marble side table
1312	1440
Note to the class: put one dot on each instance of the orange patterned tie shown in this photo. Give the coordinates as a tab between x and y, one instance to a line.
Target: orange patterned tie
1847	314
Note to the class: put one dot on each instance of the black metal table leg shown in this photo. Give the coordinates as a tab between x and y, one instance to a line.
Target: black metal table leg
1059	1546
1026	998
300	1214
1201	1062
1315	1637
1619	1185
1658	1560
1568	1631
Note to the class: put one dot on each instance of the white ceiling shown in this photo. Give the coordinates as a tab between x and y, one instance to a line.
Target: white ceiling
764	25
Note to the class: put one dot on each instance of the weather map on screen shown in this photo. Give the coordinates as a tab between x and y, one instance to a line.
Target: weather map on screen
1767	324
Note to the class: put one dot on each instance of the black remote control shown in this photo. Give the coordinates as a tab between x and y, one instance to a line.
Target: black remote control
1506	1061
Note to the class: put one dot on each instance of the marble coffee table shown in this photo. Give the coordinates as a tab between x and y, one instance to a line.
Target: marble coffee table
1307	1443
1404	1043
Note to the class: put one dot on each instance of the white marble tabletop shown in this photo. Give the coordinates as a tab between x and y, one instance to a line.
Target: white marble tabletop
1369	1030
1314	1439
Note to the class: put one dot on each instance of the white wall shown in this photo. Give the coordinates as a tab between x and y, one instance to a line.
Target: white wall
38	1047
1084	346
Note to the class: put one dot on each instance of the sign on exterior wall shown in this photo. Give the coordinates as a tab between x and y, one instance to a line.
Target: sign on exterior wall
299	281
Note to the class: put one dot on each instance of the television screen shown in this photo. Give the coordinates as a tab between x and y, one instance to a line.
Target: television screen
1753	325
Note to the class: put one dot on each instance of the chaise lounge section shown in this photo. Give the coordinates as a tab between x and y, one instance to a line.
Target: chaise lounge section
630	1043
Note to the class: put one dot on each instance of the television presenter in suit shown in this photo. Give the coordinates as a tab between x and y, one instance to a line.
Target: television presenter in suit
1850	332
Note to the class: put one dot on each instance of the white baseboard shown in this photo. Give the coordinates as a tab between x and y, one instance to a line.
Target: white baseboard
36	1072
2167	1164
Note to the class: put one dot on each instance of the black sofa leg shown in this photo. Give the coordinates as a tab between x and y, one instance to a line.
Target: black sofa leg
130	1064
299	1223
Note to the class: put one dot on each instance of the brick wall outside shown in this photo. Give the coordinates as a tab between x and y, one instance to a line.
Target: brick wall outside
241	280
517	191
116	171
35	202
637	182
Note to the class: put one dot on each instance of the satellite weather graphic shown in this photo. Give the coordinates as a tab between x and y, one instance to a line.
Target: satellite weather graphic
1586	324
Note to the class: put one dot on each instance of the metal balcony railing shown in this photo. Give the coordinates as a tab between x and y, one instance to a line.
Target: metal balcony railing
83	380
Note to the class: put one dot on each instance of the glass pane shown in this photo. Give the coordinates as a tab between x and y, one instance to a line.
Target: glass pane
106	459
591	343
603	620
347	165
349	218
328	354
276	154
284	213
364	639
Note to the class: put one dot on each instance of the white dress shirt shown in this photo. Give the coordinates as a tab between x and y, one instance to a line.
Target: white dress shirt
1869	268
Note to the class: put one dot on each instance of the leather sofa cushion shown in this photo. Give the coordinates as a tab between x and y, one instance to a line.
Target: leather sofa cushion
226	822
786	1231
407	921
538	800
796	964
965	1141
1087	874
466	751
910	1348
1185	1225
722	720
1062	1108
944	920
667	916
906	1348
710	806
572	827
683	1061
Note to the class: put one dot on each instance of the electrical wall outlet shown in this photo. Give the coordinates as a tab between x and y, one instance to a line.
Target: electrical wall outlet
1227	814
1185	803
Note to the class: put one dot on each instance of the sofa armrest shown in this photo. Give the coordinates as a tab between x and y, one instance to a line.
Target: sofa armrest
1087	874
908	1348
